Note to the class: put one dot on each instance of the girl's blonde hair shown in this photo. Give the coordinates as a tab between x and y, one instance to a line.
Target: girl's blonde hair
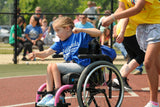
44	20
63	22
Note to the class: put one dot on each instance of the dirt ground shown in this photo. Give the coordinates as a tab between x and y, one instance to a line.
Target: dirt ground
7	59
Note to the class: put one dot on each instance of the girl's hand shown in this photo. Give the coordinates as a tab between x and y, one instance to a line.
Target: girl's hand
31	56
76	30
34	42
23	39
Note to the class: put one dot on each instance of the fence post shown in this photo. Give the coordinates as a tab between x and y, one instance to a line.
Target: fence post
111	25
15	30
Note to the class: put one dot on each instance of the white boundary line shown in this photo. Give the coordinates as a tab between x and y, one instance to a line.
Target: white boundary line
16	105
133	94
147	89
21	76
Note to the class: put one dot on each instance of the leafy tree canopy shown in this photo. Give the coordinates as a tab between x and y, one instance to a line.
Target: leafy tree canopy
51	6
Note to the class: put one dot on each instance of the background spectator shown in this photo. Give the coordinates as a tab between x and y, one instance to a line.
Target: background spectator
76	19
38	12
33	33
83	22
20	39
92	9
19	15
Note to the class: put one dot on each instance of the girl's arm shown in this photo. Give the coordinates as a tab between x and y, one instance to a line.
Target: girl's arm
40	36
41	54
20	38
93	32
28	38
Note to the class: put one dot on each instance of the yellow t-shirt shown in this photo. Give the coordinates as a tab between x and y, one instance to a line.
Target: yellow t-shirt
150	14
130	29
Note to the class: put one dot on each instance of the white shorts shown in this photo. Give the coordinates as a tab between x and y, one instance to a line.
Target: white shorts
147	34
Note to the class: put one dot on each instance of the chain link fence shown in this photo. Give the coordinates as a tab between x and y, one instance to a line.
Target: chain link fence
7	52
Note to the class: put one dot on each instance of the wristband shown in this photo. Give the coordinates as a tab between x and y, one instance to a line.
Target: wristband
112	16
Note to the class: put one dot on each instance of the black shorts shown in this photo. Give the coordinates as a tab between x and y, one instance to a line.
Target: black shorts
133	49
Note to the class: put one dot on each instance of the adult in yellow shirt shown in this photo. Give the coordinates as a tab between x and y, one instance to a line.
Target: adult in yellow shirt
126	33
145	13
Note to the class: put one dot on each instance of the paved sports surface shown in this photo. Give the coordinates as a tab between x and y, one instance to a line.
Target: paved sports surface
21	91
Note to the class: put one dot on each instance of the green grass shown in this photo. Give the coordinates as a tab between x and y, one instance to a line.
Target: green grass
11	70
22	69
5	45
4	51
6	48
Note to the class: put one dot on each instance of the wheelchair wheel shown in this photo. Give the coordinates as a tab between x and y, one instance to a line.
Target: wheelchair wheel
94	88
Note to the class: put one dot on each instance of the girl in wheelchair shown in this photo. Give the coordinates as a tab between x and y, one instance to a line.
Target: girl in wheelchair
71	40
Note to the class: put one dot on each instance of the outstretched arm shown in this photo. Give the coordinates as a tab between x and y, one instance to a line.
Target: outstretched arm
93	32
41	54
124	14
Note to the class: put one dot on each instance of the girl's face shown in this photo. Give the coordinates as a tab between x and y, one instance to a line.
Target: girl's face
33	22
44	23
63	33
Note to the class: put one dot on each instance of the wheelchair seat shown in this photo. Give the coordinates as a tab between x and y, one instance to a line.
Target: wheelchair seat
70	78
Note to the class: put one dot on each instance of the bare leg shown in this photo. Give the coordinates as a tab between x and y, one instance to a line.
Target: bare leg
56	76
49	78
152	61
127	68
53	77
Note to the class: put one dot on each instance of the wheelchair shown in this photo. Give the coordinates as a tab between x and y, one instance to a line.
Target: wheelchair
91	88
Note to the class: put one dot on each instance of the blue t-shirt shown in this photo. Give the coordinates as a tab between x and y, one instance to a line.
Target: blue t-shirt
86	25
71	46
33	32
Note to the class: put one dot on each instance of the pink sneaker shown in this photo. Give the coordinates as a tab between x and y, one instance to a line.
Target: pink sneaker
149	104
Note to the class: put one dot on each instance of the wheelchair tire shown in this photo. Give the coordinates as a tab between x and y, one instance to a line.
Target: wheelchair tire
94	87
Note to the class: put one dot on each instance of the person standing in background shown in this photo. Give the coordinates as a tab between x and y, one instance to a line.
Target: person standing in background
38	13
92	9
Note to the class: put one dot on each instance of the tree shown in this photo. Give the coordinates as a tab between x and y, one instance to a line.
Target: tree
6	6
27	6
61	6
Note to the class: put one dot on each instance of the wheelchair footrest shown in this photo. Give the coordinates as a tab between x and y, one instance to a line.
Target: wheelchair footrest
63	105
41	92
